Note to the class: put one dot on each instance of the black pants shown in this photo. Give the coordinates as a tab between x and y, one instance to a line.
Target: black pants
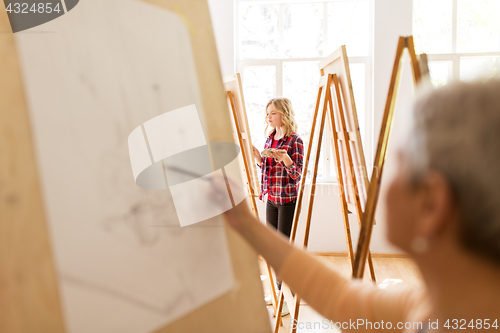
281	218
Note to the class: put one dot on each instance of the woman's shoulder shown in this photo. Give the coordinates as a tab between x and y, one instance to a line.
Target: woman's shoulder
295	137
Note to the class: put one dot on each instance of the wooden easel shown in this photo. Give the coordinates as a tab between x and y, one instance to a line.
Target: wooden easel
378	166
336	98
236	103
30	280
293	301
347	145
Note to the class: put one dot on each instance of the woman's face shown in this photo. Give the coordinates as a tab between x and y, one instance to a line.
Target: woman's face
402	208
273	116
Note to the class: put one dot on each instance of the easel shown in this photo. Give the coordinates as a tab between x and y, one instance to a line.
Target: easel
285	293
417	66
349	157
236	103
29	276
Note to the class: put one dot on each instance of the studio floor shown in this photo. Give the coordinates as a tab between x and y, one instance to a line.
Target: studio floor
392	272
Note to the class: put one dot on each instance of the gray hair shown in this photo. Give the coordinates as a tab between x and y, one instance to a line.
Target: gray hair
456	131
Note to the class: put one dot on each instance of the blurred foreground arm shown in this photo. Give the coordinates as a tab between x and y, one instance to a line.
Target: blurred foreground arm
272	247
269	244
333	295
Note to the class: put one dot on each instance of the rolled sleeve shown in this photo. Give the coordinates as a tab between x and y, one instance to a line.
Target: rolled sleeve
295	170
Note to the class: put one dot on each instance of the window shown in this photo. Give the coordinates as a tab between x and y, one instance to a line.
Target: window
462	38
279	45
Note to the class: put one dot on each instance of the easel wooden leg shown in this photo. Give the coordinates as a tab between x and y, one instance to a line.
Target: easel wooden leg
300	197
347	151
29	287
315	172
313	192
340	179
251	190
374	187
278	321
273	288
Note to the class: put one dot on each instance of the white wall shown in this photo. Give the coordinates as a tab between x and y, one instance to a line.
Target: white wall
393	18
222	14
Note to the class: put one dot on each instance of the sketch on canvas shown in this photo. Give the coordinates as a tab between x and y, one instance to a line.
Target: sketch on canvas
92	76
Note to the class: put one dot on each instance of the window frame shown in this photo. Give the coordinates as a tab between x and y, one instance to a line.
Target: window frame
326	154
454	57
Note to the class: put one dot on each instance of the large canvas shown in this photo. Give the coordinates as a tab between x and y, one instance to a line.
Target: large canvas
122	260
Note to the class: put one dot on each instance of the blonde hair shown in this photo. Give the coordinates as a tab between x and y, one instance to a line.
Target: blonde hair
284	106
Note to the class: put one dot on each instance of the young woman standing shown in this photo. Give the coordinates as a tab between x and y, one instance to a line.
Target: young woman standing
282	171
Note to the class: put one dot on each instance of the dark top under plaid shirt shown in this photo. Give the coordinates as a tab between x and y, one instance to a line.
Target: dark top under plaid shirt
283	185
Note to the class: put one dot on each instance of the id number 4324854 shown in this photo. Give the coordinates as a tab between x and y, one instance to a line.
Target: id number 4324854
40	7
462	324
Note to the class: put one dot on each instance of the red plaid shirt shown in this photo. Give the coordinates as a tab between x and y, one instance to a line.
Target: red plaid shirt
283	184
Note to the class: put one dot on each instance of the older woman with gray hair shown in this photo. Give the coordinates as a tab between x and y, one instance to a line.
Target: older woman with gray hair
443	208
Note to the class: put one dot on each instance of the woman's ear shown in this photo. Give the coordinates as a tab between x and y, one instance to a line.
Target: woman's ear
437	208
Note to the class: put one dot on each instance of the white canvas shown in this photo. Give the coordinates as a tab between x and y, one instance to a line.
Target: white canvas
174	132
91	77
